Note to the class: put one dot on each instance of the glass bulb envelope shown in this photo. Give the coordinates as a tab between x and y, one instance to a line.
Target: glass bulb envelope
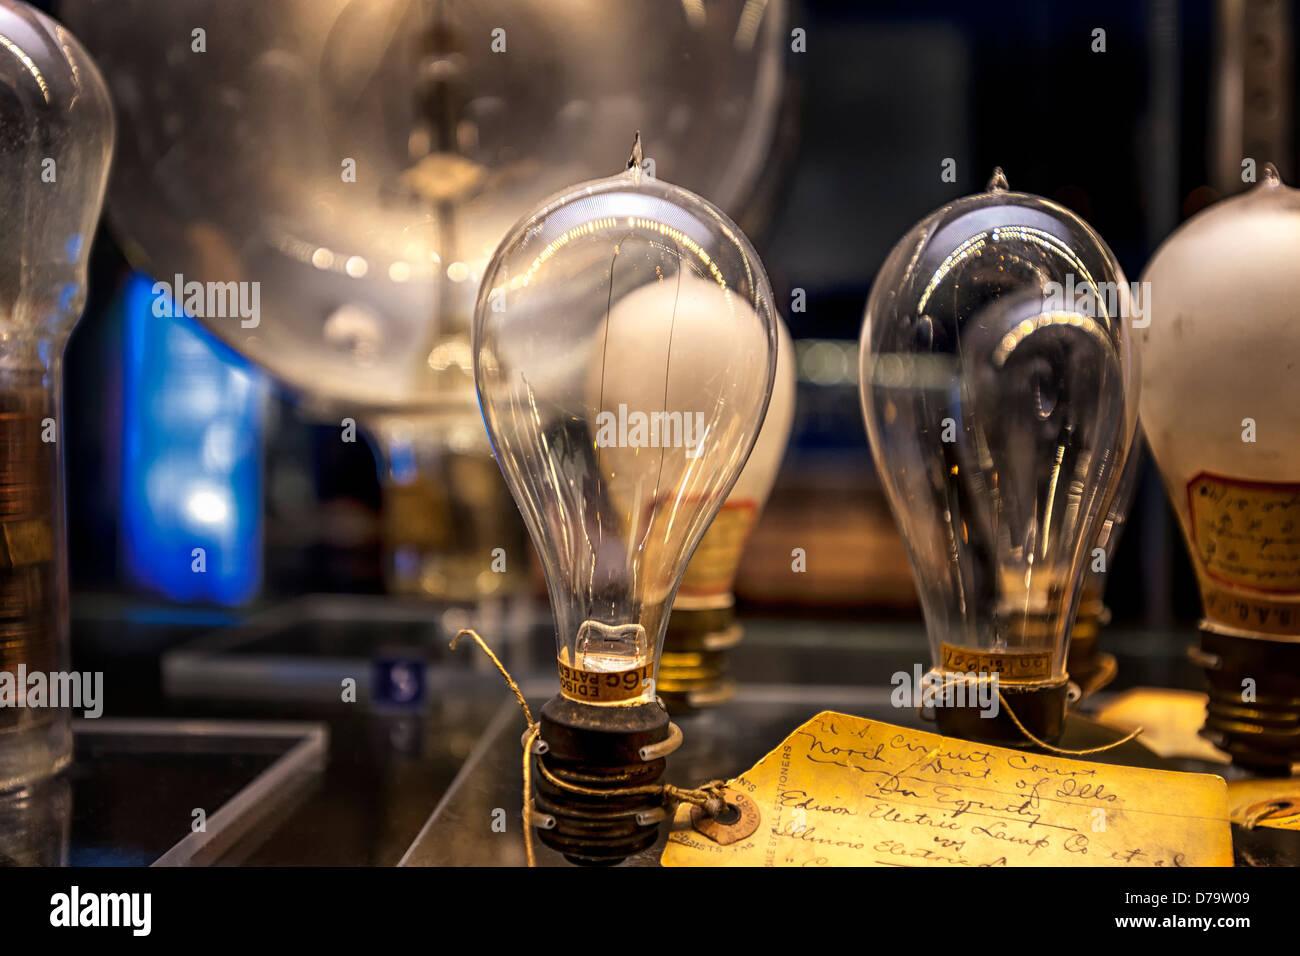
624	349
997	383
361	159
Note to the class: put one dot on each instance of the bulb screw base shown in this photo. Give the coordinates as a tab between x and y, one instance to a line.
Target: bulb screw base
1040	709
1253	712
1089	667
694	666
602	749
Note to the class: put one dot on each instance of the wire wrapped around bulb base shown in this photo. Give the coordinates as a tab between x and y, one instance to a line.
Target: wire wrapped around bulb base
1038	708
606	759
693	668
1253	712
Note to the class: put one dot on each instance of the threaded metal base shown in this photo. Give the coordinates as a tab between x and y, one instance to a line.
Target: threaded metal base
1253	712
599	748
1090	668
693	668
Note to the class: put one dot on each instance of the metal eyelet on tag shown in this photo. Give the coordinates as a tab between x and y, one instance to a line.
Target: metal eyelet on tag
745	822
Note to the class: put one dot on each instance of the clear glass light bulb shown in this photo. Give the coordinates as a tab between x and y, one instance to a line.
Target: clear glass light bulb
996	375
56	136
624	349
1219	411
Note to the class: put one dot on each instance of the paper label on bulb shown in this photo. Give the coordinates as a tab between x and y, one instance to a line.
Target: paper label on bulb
1008	665
846	791
1246	535
712	570
603	687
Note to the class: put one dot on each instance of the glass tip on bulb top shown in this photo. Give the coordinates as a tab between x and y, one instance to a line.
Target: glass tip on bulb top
636	159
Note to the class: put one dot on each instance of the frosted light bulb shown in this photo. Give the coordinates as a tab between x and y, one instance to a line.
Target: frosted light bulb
703	627
621	415
1218	407
56	136
996	376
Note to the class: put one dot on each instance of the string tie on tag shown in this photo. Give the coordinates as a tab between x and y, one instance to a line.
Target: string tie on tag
991	679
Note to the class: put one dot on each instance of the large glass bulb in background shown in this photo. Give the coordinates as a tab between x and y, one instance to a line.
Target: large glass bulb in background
624	349
693	669
1220	414
56	137
361	159
997	377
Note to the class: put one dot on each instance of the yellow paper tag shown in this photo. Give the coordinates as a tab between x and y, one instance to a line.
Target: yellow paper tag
845	791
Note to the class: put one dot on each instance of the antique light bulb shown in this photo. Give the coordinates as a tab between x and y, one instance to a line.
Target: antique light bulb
56	136
621	415
703	626
1218	408
996	377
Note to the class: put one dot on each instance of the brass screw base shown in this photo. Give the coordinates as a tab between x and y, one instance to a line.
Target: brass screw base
1263	733
694	665
693	680
598	748
1091	669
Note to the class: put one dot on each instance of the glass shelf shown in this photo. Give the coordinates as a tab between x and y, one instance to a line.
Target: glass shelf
137	788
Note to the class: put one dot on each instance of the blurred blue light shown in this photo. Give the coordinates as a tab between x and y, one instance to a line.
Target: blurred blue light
192	458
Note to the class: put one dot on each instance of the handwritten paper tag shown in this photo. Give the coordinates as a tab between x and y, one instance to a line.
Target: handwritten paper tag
845	791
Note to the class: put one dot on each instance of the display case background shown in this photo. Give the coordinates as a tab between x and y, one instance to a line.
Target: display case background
885	92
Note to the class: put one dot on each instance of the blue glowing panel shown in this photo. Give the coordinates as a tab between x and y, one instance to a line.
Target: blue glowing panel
192	458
